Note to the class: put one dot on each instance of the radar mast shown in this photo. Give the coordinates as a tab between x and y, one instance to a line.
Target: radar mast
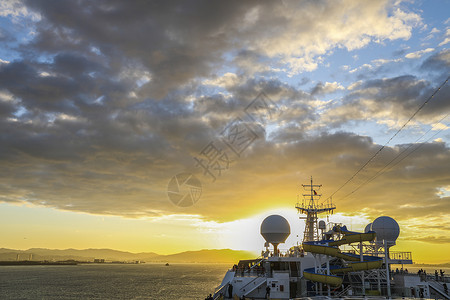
311	208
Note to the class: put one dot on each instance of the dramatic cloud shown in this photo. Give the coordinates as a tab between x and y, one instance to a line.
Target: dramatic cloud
102	102
176	42
438	62
390	99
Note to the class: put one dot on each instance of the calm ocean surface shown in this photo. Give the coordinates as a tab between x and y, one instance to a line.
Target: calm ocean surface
111	281
114	281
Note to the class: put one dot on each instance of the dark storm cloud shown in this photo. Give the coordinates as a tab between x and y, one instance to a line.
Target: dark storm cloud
395	99
175	41
47	93
76	64
438	62
406	94
117	160
99	159
108	103
6	109
179	41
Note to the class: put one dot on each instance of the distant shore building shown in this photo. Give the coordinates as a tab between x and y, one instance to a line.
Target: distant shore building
99	260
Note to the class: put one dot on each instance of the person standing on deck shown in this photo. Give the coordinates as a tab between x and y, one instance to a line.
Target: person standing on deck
268	292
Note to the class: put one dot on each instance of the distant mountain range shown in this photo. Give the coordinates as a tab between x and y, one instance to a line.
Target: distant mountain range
203	256
443	265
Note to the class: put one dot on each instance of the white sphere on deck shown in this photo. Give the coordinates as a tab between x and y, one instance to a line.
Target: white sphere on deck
368	228
386	228
275	229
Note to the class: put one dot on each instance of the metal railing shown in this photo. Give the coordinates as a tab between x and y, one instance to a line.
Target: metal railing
400	255
249	272
322	206
344	291
220	292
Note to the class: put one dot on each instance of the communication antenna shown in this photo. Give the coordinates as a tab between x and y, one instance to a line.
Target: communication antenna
311	209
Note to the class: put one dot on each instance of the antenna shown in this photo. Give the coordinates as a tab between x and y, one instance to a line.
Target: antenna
311	209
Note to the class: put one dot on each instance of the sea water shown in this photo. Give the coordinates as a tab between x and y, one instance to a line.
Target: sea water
111	281
117	281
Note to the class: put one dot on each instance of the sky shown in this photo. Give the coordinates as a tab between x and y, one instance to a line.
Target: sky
167	126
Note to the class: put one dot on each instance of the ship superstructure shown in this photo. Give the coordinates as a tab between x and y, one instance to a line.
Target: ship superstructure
335	262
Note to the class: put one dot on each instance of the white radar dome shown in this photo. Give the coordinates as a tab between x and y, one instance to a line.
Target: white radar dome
368	228
275	229
386	229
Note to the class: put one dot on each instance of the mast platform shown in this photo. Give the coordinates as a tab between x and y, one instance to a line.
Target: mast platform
311	208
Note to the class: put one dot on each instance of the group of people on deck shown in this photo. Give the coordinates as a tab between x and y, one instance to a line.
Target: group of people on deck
401	271
436	275
242	270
